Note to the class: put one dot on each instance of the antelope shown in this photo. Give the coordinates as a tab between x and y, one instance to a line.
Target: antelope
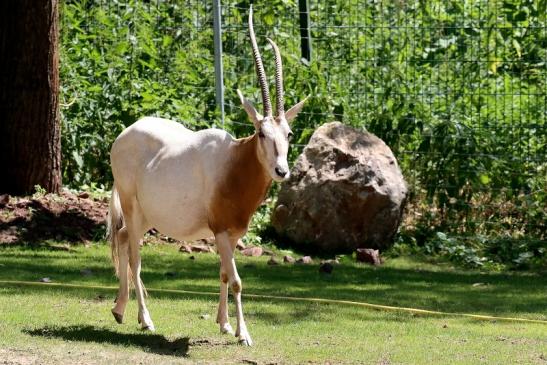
191	185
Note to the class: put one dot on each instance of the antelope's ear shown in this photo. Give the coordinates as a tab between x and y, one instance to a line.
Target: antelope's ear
293	112
255	116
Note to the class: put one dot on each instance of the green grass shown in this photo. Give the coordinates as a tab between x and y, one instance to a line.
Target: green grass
50	324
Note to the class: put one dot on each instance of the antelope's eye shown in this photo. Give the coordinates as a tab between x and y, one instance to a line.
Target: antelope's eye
260	134
289	136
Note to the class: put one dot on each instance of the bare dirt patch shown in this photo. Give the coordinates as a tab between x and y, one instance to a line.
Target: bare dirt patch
64	217
17	357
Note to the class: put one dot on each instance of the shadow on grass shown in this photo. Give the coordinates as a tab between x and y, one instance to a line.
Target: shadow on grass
505	294
149	342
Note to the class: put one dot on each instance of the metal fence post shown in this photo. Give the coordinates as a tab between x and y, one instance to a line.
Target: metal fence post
219	74
305	36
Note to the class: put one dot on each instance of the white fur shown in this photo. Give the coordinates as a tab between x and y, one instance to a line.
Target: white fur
171	169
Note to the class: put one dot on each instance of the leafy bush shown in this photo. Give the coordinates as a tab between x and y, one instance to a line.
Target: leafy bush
119	64
456	89
477	251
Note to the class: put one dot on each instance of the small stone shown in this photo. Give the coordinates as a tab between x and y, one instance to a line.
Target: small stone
83	195
273	261
251	362
209	241
332	261
22	203
200	341
253	251
45	280
185	248
326	268
86	272
306	260
61	247
240	245
205	316
288	259
478	284
368	255
202	248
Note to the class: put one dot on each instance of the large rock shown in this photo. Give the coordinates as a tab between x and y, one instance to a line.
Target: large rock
345	191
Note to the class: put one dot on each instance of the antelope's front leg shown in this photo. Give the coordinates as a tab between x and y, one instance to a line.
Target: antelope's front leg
225	244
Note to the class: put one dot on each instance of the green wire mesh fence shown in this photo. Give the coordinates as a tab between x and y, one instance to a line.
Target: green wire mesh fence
458	90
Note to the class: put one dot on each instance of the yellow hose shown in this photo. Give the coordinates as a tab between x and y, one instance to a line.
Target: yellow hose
302	299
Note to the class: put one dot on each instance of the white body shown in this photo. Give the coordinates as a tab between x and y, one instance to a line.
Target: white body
171	169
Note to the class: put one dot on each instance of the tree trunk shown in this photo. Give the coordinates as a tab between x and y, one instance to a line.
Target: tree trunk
30	141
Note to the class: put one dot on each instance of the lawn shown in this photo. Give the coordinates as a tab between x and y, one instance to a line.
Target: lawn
53	323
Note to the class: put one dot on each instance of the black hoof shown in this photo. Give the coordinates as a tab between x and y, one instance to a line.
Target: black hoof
118	317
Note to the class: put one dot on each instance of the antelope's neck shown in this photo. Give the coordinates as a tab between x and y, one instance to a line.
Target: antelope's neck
240	190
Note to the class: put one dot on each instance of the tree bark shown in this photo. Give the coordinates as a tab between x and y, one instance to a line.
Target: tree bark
30	143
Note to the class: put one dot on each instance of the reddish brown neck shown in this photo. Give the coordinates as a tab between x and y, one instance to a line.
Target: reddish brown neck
242	189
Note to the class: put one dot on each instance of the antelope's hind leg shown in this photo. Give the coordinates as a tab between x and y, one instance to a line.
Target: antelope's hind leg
123	264
136	229
135	263
136	226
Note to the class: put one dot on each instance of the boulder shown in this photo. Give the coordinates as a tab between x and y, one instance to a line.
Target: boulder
346	191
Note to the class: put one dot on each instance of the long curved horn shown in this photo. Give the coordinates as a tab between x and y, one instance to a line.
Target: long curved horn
278	80
260	69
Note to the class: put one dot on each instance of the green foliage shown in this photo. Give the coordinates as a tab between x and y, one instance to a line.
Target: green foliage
478	251
455	250
38	192
125	60
456	89
260	223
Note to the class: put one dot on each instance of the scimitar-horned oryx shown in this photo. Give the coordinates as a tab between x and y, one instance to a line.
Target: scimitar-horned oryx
191	185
